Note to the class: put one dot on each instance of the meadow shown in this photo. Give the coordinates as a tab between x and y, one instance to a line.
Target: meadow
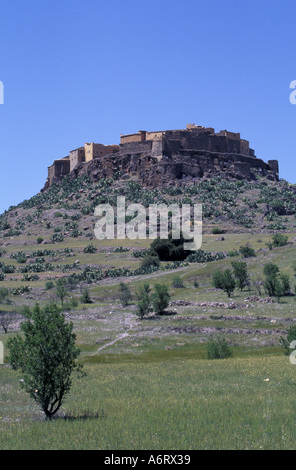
172	403
149	384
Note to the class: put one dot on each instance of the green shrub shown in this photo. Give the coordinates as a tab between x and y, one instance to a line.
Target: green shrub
160	298
8	269
90	249
149	260
85	298
177	282
125	295
218	349
57	237
144	301
217	279
247	251
49	285
279	239
217	231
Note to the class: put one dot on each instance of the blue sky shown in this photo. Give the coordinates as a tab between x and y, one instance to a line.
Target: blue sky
77	71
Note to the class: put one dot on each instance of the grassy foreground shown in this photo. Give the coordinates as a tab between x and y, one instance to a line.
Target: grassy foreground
237	403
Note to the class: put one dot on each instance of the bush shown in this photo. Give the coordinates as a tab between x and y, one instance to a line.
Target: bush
39	240
57	237
125	295
279	239
160	298
85	298
49	285
150	260
178	282
8	269
144	302
217	231
218	349
217	279
90	249
247	251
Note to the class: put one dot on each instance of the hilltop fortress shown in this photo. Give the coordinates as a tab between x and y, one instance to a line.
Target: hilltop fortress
166	157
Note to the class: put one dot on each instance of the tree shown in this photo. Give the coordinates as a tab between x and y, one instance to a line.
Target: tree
6	318
270	269
279	290
85	298
46	355
271	284
286	283
217	279
125	295
240	273
144	301
62	289
228	282
160	298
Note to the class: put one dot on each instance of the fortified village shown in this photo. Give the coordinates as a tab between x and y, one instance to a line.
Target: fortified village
171	157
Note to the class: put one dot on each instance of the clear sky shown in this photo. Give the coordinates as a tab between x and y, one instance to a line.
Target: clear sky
77	71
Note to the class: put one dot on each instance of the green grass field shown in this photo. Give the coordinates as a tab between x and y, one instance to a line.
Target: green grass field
177	403
149	384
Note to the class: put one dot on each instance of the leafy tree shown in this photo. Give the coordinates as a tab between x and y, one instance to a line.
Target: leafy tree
286	283
62	289
217	279
160	298
144	301
46	355
270	284
279	290
6	318
125	295
240	273
270	269
228	282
